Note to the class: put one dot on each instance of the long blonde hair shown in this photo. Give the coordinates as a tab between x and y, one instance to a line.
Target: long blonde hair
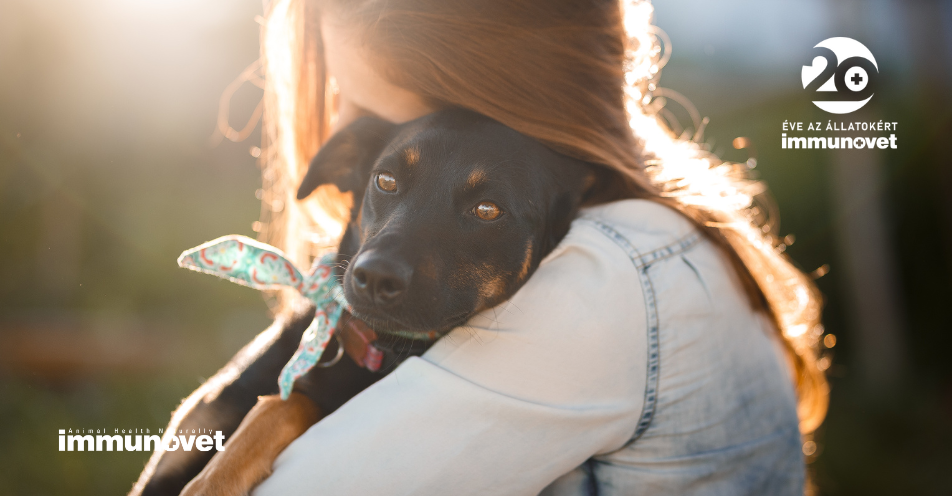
579	78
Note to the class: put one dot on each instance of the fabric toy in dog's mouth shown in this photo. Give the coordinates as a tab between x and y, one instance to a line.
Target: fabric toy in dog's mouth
257	265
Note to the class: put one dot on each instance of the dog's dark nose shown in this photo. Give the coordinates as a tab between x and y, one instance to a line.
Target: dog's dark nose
378	279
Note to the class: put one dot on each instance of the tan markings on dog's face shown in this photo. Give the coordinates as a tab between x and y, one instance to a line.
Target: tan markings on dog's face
428	268
492	288
471	274
477	177
489	281
411	155
524	271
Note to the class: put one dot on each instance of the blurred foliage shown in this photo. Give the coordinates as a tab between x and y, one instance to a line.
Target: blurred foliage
32	413
106	175
871	445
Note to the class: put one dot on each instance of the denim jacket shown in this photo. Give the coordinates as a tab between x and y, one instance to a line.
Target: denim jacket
630	363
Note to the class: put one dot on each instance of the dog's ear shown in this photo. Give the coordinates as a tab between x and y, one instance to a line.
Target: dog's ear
574	179
562	210
346	159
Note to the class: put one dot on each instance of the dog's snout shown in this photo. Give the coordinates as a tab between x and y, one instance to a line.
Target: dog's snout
378	279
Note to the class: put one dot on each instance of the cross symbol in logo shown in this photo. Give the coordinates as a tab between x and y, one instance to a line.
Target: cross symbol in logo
856	79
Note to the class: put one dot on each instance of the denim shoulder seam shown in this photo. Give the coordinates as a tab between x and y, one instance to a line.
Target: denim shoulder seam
678	247
642	262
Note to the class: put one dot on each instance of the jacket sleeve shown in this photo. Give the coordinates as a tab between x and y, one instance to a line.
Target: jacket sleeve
505	404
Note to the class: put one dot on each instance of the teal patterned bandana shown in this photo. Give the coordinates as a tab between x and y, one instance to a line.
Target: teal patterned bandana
245	261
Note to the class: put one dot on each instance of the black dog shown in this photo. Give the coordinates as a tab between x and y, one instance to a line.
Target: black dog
452	214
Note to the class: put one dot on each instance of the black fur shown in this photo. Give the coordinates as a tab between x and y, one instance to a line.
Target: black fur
427	262
441	262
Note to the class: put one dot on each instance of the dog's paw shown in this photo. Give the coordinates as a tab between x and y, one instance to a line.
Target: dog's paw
200	486
218	483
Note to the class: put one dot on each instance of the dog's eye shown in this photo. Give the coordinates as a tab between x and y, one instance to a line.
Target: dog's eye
487	211
386	182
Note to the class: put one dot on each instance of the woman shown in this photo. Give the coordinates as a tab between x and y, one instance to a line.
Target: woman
666	346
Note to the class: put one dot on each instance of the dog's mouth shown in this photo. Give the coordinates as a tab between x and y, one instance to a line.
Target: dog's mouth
391	325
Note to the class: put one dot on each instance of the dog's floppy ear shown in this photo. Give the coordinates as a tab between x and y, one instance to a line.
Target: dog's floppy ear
574	179
346	159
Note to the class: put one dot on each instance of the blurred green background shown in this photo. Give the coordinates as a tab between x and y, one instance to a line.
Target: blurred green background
109	169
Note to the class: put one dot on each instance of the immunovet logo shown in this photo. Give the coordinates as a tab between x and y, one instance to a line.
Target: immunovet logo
842	77
841	80
140	440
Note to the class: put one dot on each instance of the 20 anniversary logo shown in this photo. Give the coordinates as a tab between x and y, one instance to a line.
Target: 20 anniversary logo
842	77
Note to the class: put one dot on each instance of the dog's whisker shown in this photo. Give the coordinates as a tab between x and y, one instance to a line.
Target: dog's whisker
506	303
476	335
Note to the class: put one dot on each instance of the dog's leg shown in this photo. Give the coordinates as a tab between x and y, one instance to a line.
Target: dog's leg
246	460
222	402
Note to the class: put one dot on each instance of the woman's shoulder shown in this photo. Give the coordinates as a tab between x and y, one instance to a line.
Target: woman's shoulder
585	304
637	215
579	320
633	229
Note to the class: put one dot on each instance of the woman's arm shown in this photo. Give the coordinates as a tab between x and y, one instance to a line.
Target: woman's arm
504	405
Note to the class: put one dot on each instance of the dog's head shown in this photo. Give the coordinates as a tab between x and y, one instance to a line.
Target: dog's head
452	213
